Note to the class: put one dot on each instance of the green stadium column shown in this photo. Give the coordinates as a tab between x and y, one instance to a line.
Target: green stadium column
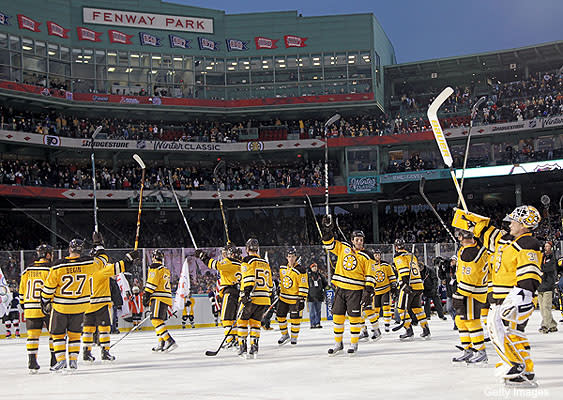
375	220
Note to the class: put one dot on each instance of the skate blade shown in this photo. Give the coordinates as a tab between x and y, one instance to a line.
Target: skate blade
108	362
427	338
335	353
243	356
459	364
377	339
353	354
33	371
481	364
171	348
409	339
524	384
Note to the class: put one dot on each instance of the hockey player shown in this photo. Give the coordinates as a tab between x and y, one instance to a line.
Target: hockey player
294	288
470	298
98	312
12	317
31	284
354	284
255	291
188	311
411	287
158	295
516	277
229	279
136	305
67	291
385	284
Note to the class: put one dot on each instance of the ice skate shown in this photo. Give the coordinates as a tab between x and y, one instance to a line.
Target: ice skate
53	359
72	366
59	366
283	339
376	334
525	380
338	347
387	328
479	359
253	352
425	333
87	356
169	345
242	349
461	359
364	336
32	364
353	349
293	341
159	346
106	356
408	335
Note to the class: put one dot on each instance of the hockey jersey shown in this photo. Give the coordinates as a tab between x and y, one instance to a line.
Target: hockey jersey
101	294
353	268
383	275
31	285
472	272
229	271
407	266
256	273
158	283
294	283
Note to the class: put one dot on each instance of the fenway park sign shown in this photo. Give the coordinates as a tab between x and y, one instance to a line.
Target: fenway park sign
146	20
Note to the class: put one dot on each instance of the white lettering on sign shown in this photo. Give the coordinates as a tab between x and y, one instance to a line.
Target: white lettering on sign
147	20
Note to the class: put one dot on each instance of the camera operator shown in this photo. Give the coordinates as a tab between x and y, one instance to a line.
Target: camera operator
430	292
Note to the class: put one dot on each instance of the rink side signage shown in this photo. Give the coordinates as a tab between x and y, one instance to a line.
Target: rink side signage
363	184
145	20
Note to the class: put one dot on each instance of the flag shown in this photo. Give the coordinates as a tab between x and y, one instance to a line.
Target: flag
236	45
88	34
28	23
208	44
265	43
177	41
125	293
294	41
149	40
55	29
4	19
5	295
182	293
119	37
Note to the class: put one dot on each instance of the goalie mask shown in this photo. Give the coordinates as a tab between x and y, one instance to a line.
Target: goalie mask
400	243
158	255
528	216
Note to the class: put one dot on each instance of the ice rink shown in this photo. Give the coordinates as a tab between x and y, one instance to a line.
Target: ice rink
387	369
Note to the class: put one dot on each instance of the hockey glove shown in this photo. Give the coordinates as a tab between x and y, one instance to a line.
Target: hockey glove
327	226
517	306
469	221
132	256
97	239
188	303
367	296
97	251
46	306
394	290
246	297
146	299
301	304
202	256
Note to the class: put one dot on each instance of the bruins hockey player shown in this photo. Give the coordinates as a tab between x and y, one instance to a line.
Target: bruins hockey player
294	288
354	284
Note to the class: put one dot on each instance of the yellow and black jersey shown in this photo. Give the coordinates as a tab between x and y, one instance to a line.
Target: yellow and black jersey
516	262
256	273
69	283
408	270
31	285
472	272
353	268
101	294
294	283
383	275
229	272
158	283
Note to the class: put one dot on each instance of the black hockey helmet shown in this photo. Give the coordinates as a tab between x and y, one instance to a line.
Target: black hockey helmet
292	251
377	250
400	243
231	250
76	246
358	233
252	244
158	255
463	233
44	249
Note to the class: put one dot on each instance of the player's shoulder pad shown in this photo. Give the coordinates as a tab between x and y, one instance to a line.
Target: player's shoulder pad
528	243
469	253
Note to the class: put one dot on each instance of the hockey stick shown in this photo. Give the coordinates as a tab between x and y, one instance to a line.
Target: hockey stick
132	329
545	200
211	353
441	139
219	166
96	132
180	208
143	167
474	111
319	229
421	190
328	123
340	230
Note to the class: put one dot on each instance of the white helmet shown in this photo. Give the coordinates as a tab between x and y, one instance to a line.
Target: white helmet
528	216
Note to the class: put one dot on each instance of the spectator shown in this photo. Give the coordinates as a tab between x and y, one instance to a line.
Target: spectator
317	285
117	301
430	292
545	290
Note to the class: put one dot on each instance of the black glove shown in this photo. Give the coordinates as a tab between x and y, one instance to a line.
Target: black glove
188	303
46	306
301	304
407	289
132	256
366	296
97	239
202	256
394	290
146	299
327	226
246	297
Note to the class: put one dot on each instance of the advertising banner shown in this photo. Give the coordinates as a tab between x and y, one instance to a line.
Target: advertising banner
363	184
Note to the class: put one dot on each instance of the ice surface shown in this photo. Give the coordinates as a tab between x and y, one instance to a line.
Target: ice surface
387	369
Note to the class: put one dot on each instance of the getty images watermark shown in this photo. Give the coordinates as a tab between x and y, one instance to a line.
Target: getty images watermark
504	392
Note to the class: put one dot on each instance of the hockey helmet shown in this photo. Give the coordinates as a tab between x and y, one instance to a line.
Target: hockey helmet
231	250
158	255
400	243
463	233
358	233
528	216
292	251
252	244
43	250
76	246
377	250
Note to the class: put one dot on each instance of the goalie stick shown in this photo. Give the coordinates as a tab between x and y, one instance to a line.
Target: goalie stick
441	139
143	167
180	208
211	353
421	190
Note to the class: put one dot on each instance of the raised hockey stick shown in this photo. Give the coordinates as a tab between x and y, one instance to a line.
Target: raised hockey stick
131	331
143	167
180	208
474	111
218	167
421	190
96	132
319	229
328	123
441	139
211	353
340	230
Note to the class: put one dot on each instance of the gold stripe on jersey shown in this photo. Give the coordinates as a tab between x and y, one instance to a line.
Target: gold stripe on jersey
229	272
407	266
256	274
158	283
101	292
31	285
353	269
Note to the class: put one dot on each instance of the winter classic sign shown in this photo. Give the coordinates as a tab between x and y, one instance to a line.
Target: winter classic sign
146	20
